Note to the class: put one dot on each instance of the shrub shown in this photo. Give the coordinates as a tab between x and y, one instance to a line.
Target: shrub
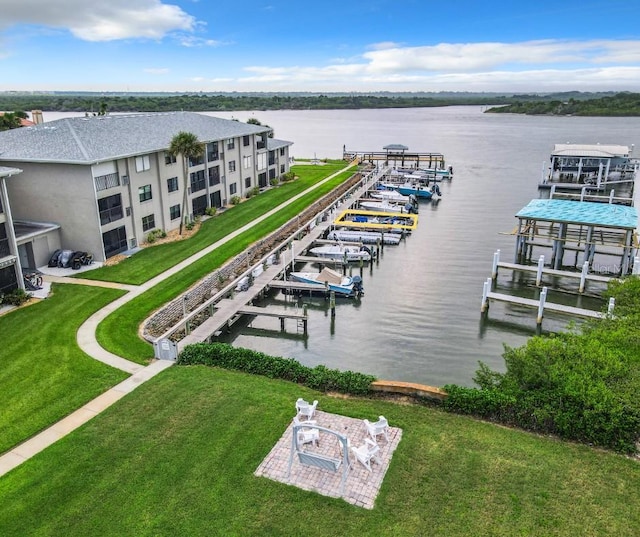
289	176
17	297
579	386
210	211
274	182
235	200
319	378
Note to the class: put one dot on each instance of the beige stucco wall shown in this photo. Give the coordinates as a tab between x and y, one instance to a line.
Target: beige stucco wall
63	194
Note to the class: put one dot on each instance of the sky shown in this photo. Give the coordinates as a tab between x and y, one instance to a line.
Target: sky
346	46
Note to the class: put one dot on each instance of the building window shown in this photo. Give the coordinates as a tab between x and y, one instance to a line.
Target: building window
246	162
214	176
199	205
216	199
110	209
196	161
103	182
212	152
143	163
8	280
114	241
172	184
1	209
247	182
232	165
197	181
282	169
246	141
145	193
174	212
272	158
4	242
282	151
262	180
231	143
148	222
261	162
232	189
272	173
169	158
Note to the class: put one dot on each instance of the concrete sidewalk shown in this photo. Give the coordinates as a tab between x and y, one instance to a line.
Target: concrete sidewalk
87	341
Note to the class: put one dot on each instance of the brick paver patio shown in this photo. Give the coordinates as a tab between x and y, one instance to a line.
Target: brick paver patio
361	486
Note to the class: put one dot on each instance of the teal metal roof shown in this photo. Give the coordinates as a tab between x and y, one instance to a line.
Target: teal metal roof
581	212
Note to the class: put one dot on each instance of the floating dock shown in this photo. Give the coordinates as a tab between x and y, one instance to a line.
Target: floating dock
363	219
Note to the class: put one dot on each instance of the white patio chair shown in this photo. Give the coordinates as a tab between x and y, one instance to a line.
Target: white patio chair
307	435
366	453
380	427
304	408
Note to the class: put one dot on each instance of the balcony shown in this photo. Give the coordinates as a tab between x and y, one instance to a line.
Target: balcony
111	215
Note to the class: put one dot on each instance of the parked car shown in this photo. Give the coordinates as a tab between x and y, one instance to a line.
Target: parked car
53	260
65	258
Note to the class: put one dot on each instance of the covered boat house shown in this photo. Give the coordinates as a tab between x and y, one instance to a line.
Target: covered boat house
585	228
590	164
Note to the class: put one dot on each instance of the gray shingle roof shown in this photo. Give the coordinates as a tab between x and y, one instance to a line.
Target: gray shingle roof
274	143
85	140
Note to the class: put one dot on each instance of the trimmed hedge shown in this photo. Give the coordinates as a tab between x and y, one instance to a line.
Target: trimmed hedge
318	378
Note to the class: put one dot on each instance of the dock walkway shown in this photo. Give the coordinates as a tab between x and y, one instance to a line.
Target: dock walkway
558	308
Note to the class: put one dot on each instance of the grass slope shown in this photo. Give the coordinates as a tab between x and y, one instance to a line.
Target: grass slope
44	375
176	457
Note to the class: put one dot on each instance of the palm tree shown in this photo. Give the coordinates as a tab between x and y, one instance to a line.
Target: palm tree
188	146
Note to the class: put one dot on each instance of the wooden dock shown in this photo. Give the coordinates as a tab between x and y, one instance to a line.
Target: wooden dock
227	306
554	272
550	306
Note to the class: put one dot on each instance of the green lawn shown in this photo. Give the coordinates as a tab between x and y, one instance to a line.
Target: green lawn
177	456
43	374
118	333
152	261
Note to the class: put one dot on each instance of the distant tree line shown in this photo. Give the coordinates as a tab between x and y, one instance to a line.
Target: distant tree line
620	104
96	103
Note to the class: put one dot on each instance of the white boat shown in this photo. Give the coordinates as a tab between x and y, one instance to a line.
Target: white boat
365	237
342	252
389	195
387	206
328	279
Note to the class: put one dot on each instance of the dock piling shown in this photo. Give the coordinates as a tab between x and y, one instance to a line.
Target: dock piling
636	266
486	288
612	303
332	303
543	299
540	269
583	276
494	268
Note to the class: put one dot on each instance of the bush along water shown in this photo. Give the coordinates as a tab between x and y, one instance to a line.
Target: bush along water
580	386
318	378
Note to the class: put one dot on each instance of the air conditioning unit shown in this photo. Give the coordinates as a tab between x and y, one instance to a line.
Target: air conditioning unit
128	211
133	243
125	180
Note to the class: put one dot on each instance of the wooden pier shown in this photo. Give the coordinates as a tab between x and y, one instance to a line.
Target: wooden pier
550	306
228	305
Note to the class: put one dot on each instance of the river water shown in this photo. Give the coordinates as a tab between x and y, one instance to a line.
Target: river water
420	317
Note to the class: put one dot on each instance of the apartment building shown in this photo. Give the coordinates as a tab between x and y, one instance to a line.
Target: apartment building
107	181
10	270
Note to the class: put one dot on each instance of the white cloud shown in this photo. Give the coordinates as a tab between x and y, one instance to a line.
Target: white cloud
525	66
193	41
156	70
100	20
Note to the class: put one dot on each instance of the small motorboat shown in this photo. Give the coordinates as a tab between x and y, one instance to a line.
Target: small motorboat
330	280
341	252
